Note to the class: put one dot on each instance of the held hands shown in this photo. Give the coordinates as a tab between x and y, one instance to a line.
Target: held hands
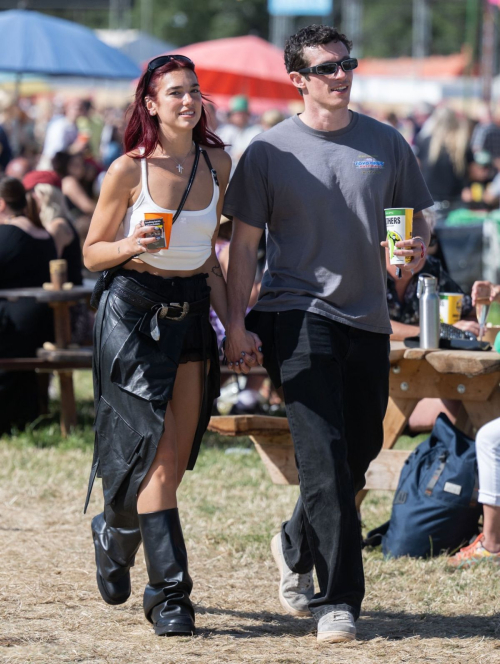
415	248
243	350
141	238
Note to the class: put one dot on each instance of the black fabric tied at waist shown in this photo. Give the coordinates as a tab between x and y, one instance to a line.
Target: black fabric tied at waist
138	346
173	311
144	379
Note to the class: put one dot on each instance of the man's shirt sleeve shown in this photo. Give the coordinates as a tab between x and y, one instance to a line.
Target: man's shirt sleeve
248	197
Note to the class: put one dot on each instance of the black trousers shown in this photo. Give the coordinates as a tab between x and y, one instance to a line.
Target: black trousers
335	381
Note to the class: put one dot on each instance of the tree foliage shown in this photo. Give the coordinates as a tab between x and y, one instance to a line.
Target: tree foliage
187	21
386	29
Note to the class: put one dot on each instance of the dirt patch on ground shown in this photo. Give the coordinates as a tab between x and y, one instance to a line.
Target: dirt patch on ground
50	610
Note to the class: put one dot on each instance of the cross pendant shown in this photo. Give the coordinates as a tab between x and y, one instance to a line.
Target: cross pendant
179	168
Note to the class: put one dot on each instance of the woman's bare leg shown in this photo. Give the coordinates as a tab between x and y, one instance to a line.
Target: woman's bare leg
491	528
186	404
426	411
159	488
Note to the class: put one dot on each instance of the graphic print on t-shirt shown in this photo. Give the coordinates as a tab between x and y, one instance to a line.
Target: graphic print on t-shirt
368	163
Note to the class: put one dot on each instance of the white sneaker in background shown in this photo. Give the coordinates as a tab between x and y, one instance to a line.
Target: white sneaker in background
295	590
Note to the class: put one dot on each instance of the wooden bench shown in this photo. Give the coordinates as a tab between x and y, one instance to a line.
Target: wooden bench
50	360
62	359
469	377
62	362
272	439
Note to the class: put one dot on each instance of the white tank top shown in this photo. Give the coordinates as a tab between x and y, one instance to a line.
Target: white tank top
191	236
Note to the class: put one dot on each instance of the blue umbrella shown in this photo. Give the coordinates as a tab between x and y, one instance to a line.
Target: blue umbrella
34	43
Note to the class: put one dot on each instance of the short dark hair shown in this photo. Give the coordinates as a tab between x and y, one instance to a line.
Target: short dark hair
312	35
60	163
13	193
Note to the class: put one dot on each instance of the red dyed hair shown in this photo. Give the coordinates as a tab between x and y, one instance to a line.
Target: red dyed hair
142	128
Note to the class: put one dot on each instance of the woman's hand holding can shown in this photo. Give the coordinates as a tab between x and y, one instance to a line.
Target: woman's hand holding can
141	238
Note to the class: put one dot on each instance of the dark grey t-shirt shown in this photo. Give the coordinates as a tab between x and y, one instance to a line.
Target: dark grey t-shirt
321	197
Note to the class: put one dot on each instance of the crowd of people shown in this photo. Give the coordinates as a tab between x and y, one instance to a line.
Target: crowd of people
78	186
62	160
459	155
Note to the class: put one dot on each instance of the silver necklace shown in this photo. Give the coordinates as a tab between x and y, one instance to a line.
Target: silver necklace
180	164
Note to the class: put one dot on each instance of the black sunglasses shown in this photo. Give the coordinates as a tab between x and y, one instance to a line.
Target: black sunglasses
163	60
331	67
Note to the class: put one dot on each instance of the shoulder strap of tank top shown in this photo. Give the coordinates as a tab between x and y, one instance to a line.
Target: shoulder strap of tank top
144	171
190	182
209	164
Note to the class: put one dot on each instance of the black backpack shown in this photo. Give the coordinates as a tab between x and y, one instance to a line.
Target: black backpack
435	507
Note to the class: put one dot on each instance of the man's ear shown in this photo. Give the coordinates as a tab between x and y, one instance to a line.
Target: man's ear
298	80
3	205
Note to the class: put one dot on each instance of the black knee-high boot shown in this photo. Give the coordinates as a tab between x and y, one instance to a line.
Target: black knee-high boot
115	550
166	597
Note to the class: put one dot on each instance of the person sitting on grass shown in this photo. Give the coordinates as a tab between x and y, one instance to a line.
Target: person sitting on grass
486	546
403	306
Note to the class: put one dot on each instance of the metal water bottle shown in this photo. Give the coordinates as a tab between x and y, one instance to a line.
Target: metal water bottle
429	311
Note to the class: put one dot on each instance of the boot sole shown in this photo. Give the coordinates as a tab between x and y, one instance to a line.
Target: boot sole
175	630
284	604
336	637
107	598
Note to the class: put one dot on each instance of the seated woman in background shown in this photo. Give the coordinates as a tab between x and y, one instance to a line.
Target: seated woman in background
81	206
405	320
487	545
25	251
45	197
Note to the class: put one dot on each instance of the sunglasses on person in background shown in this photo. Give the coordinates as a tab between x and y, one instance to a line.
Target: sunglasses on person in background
163	60
328	68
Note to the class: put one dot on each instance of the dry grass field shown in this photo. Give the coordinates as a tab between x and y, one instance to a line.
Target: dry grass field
51	612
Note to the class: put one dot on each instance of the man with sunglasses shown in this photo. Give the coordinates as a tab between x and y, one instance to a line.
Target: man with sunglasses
318	184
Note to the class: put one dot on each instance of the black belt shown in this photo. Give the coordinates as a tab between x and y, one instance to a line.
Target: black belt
171	310
174	311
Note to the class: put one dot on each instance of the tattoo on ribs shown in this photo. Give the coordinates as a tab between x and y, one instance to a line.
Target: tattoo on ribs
118	249
217	270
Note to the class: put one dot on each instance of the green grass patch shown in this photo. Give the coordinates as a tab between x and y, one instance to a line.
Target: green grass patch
410	442
494	314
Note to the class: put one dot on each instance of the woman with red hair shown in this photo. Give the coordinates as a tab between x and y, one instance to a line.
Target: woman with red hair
156	368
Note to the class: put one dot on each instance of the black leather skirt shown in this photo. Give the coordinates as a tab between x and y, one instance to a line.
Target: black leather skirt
145	327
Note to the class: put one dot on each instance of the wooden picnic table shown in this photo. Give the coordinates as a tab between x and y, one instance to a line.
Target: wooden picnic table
467	376
471	377
60	359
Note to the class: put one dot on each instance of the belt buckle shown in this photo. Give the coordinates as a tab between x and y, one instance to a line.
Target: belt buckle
184	310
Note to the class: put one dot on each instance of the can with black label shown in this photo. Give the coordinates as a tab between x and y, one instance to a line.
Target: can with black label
156	223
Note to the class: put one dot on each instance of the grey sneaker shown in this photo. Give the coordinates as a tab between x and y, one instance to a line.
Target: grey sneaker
295	590
336	627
